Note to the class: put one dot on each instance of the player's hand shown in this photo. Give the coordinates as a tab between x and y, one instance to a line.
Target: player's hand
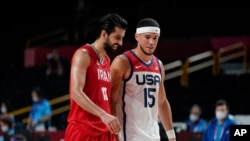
112	123
172	139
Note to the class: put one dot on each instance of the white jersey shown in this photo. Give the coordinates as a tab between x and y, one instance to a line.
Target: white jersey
137	107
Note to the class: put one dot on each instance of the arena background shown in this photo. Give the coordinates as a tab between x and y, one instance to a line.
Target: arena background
188	28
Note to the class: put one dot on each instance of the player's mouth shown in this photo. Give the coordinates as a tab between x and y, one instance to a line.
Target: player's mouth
115	46
151	48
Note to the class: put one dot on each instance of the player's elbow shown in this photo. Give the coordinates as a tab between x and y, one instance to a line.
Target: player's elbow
113	105
113	101
75	95
163	104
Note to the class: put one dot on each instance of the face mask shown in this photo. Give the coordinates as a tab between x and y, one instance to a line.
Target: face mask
35	99
4	128
3	110
193	117
220	115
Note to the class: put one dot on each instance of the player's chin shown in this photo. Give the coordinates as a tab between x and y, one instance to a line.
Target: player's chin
114	48
150	52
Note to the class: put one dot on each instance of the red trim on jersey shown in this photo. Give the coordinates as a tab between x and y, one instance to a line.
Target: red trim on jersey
137	65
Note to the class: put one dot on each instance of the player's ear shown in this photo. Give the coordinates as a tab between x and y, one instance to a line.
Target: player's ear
136	36
104	34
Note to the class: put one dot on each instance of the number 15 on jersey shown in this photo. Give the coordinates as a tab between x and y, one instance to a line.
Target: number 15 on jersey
149	98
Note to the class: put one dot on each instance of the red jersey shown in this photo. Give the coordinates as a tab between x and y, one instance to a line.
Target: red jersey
97	88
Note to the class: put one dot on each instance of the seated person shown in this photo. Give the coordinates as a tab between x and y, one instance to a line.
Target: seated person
6	130
219	127
40	114
195	123
4	115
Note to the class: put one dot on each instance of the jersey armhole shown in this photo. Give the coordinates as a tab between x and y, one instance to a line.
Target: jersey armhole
159	65
131	68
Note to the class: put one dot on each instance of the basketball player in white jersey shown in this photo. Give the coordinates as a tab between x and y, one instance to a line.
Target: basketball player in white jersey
138	93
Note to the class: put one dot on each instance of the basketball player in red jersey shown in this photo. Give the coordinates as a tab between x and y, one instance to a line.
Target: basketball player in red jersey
138	94
90	118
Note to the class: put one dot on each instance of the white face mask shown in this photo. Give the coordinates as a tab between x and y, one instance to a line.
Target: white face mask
220	115
35	99
4	128
3	110
193	117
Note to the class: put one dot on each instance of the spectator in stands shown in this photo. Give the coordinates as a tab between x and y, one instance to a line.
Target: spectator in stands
81	16
219	127
56	74
6	131
195	123
55	64
5	116
40	114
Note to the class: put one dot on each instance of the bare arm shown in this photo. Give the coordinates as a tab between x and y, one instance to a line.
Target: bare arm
119	67
165	112
79	67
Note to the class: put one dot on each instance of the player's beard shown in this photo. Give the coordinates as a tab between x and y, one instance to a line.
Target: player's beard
108	47
145	52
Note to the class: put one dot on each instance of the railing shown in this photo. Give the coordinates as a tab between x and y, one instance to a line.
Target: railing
50	38
231	52
171	71
189	65
52	102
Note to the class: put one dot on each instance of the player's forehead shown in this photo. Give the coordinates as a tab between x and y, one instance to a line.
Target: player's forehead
118	32
150	34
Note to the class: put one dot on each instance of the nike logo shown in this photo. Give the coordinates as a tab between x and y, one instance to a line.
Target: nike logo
138	66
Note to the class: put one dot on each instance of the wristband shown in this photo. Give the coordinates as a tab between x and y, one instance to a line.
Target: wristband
170	134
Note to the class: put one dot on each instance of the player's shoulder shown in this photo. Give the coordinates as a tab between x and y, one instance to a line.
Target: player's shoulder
84	49
121	58
158	60
121	62
81	55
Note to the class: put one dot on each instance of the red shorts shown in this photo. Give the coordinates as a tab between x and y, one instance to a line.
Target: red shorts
73	133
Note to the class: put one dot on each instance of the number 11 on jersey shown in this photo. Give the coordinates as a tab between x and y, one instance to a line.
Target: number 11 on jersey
104	93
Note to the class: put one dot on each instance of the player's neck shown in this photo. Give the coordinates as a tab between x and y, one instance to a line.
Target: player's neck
145	58
99	49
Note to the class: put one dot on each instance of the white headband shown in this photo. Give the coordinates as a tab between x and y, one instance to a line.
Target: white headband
145	29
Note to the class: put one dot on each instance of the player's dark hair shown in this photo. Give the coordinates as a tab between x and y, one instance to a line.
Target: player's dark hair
109	22
222	102
148	22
